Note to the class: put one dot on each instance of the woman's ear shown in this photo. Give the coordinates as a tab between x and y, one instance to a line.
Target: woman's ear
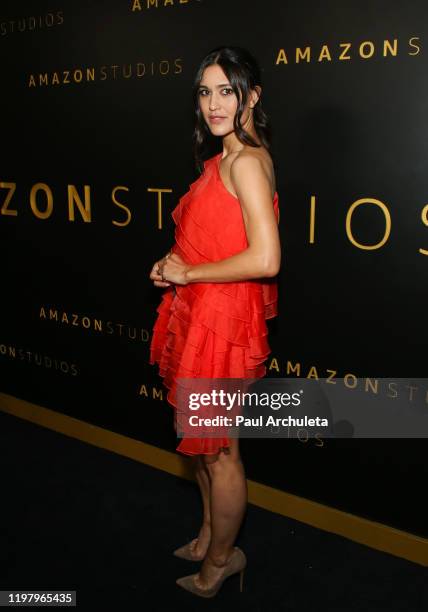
255	95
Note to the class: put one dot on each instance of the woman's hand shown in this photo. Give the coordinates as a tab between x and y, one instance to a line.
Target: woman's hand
173	269
169	270
156	273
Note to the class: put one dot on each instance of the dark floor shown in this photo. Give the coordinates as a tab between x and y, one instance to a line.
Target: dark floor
76	517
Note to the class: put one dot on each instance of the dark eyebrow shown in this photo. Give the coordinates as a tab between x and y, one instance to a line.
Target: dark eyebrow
221	85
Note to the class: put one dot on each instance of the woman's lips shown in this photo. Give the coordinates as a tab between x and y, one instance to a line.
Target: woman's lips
216	119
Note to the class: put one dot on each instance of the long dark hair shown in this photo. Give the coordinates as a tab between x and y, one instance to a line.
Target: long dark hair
243	73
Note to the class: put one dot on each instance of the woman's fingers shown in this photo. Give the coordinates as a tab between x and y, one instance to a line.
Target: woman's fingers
162	284
156	274
157	279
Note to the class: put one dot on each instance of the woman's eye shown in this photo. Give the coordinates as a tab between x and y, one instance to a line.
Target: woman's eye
228	91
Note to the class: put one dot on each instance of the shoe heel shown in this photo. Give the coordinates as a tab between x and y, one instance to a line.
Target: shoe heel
241	580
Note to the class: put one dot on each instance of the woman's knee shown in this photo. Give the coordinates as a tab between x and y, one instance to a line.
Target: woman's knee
224	458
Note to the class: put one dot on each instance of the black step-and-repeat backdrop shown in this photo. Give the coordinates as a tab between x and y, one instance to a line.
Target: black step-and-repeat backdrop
96	132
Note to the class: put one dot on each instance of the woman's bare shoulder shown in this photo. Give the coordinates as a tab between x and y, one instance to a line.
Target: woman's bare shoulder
265	159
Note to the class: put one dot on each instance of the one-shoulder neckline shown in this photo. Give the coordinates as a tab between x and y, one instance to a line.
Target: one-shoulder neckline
216	160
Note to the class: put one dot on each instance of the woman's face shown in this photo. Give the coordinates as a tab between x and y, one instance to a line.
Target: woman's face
218	102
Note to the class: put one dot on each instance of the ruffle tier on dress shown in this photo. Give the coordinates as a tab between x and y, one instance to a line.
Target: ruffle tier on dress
211	330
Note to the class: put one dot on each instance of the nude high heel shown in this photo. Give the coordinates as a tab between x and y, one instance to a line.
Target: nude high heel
237	563
186	552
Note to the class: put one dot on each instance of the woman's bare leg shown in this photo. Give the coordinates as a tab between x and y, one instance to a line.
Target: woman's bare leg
203	480
229	496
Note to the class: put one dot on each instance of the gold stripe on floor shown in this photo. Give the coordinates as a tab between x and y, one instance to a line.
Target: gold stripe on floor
370	533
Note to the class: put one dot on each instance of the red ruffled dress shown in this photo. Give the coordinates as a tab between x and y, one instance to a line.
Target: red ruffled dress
211	330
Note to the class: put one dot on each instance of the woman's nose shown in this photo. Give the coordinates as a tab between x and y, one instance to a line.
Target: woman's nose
213	103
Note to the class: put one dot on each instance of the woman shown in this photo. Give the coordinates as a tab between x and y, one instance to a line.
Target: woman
220	289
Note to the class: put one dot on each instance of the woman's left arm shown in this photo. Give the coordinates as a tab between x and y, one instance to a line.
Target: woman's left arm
262	257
